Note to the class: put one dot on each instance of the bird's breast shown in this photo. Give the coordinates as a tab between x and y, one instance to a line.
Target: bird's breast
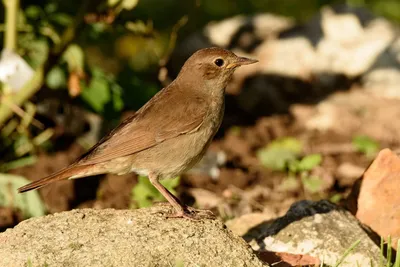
215	113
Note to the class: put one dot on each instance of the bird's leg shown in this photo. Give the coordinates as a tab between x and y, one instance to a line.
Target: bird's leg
181	211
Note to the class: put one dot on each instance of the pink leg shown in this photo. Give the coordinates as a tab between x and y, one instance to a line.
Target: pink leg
181	211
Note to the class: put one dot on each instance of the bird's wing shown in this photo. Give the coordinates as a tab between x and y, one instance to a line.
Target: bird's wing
152	125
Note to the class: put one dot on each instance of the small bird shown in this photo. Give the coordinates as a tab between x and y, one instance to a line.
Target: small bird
169	134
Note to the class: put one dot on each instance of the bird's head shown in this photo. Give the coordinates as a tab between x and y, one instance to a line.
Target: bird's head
212	67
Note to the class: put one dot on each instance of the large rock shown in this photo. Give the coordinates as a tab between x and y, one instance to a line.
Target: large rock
379	198
143	237
318	229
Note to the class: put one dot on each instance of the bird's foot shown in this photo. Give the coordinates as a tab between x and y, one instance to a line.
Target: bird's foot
185	215
192	214
187	212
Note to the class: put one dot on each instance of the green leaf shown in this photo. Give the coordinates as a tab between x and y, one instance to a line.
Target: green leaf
144	193
37	52
279	153
56	78
97	94
33	12
29	203
117	97
112	3
312	184
129	4
366	145
397	262
103	94
336	198
62	19
293	166
74	57
171	184
22	145
139	27
18	163
288	143
51	7
309	162
389	9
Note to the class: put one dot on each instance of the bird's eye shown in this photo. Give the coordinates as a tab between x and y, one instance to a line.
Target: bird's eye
219	62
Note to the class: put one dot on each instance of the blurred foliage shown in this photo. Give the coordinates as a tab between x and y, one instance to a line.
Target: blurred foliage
144	193
19	141
283	155
303	167
307	163
49	38
311	184
336	198
366	145
279	153
103	95
29	204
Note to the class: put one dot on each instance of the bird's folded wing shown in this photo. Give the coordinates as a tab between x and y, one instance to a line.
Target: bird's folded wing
138	134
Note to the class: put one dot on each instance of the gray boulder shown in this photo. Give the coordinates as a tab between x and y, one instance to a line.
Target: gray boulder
143	237
318	229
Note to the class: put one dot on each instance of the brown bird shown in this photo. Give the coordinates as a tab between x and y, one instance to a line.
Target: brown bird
170	133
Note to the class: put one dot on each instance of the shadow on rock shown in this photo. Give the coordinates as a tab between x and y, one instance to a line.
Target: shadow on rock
297	211
318	229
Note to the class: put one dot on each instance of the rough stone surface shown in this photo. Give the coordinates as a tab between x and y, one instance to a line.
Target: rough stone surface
379	198
318	229
143	237
243	223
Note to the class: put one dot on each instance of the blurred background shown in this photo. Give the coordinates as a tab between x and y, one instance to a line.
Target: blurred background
303	123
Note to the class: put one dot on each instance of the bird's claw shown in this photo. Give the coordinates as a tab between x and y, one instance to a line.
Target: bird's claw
187	212
183	214
192	214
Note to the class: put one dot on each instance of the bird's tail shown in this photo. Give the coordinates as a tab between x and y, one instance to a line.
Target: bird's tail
70	171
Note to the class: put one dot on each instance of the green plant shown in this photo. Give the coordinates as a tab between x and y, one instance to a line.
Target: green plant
18	143
384	261
366	145
51	37
144	193
30	204
283	155
305	164
397	259
103	94
336	198
347	252
388	257
312	184
277	154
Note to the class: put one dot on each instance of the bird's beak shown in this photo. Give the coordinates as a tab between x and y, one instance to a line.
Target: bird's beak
241	61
